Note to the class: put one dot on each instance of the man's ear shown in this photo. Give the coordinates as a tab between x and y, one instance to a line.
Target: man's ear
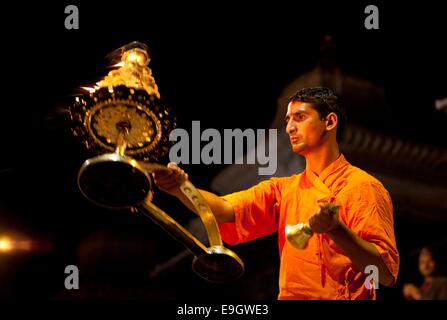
331	121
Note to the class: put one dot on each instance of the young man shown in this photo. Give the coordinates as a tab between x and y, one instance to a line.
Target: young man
344	243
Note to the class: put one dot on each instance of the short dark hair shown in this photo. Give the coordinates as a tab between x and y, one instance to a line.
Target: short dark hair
324	101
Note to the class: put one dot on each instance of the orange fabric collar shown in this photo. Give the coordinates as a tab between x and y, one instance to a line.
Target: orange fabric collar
336	165
319	182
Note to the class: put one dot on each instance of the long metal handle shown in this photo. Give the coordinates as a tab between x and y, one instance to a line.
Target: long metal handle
172	227
204	211
199	203
214	264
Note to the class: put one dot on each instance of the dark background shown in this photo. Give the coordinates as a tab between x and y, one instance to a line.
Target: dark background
224	64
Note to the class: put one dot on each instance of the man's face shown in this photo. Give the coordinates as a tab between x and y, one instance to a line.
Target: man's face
304	126
427	264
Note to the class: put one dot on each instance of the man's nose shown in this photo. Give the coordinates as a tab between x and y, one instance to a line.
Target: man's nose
290	127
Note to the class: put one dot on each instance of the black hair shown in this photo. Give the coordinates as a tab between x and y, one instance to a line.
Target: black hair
324	101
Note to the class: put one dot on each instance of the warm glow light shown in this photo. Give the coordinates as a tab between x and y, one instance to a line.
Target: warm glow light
136	57
24	245
9	244
5	245
119	64
132	57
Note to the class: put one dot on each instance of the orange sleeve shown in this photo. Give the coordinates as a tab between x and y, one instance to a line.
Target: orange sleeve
368	212
256	213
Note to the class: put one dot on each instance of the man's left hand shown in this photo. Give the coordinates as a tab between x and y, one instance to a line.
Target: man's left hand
326	219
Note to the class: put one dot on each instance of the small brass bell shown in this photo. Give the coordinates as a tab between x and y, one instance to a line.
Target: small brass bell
299	234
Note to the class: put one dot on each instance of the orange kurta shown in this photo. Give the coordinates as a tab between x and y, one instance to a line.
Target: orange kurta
321	270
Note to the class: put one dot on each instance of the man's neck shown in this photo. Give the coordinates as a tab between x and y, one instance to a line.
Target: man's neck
322	158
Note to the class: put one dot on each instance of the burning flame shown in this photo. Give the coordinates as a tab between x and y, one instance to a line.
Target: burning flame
118	65
132	72
89	89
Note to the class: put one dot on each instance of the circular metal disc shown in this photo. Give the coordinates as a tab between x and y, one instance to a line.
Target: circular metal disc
96	116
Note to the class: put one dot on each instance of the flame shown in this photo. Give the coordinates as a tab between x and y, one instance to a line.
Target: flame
91	90
119	64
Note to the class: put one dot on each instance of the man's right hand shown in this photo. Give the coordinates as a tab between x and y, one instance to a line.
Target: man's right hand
170	181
